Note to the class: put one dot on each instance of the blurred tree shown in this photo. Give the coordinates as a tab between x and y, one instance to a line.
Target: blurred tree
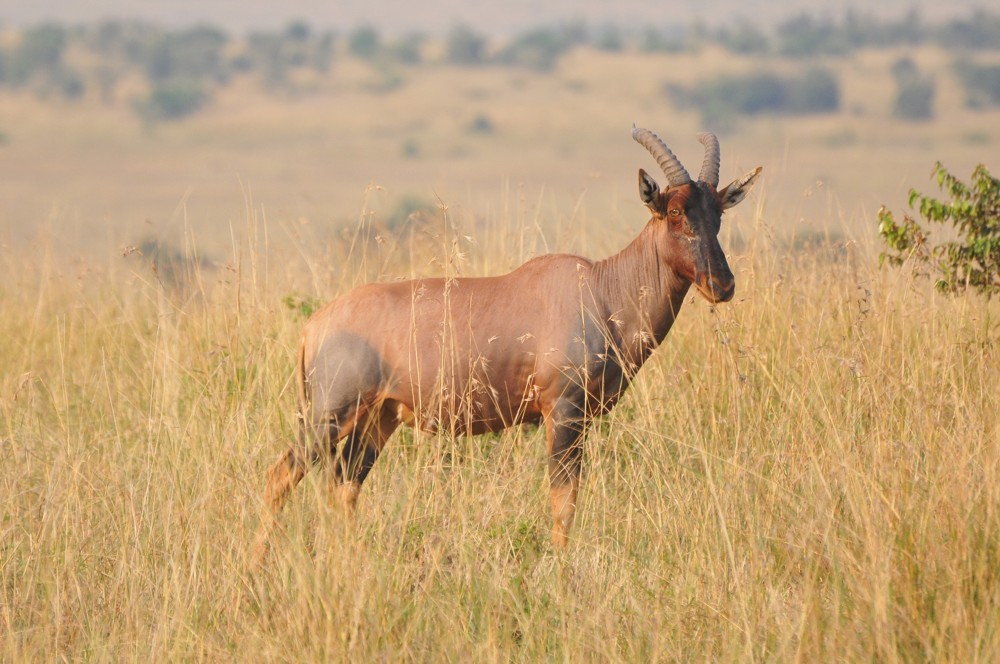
298	31
676	40
915	92
981	83
39	51
407	49
609	38
815	91
465	47
364	42
745	39
537	49
806	35
194	53
172	100
979	32
723	99
274	55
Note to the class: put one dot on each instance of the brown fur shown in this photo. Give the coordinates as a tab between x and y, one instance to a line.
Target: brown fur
557	340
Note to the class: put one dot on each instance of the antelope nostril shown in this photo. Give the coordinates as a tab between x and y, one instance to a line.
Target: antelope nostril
725	294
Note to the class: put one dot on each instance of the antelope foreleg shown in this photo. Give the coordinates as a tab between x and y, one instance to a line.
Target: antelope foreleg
564	437
563	498
358	453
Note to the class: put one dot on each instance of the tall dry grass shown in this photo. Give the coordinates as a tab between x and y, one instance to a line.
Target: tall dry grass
811	472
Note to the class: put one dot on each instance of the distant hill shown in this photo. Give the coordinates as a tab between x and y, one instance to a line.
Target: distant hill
436	16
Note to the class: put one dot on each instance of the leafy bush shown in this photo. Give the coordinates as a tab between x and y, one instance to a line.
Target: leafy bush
303	306
971	261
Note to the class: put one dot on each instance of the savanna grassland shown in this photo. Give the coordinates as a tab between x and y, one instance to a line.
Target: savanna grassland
810	472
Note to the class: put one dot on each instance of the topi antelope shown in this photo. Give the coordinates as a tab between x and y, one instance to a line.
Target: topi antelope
557	340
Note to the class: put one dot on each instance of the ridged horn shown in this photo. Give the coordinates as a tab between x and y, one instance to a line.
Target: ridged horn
710	166
671	165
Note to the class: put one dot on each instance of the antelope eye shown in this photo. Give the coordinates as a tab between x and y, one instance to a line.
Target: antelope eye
675	214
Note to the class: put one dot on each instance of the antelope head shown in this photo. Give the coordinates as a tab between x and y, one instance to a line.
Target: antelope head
687	214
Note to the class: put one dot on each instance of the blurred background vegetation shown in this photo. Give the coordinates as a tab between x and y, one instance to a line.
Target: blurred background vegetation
182	68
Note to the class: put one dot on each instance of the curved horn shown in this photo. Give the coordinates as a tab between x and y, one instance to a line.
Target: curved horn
710	166
672	168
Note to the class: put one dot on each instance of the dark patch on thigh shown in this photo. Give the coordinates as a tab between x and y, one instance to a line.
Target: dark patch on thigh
346	372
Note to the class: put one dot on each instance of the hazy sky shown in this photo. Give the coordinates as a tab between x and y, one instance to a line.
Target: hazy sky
399	16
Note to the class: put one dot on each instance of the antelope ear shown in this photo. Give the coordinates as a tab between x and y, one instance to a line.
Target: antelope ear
735	191
649	191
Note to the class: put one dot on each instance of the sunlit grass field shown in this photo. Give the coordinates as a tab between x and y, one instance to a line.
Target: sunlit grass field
810	472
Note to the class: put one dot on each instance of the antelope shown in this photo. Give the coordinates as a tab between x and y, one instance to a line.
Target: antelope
558	341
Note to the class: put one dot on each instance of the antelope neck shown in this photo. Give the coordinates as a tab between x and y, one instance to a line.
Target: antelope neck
640	293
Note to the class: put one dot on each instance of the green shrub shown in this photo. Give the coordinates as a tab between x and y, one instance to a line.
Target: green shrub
971	261
303	306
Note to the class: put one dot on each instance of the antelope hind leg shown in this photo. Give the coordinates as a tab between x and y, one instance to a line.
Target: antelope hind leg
282	477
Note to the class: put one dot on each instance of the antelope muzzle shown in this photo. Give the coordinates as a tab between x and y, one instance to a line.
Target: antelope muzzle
717	286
